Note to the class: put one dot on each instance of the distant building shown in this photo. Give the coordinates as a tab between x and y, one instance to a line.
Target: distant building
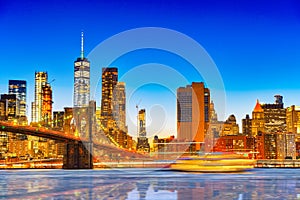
293	119
47	104
18	87
81	80
69	122
276	145
11	106
142	143
193	112
230	127
58	120
119	106
109	82
269	118
247	125
233	143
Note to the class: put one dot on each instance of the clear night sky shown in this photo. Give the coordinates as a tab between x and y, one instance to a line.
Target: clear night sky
255	44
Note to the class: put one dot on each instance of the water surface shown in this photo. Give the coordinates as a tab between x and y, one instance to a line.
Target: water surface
148	184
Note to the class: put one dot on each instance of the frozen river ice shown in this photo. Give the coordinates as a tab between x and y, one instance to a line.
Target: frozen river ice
148	184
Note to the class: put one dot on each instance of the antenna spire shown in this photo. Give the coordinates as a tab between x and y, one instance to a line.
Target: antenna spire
81	52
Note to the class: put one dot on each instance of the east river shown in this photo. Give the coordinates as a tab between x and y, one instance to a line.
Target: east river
148	184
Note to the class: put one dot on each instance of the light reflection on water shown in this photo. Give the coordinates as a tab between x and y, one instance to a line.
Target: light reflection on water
148	184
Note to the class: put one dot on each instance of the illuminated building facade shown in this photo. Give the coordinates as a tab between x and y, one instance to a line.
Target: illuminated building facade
257	122
58	120
230	127
81	80
293	119
18	87
274	116
119	106
41	78
193	112
276	145
247	125
268	118
109	82
47	104
142	144
11	109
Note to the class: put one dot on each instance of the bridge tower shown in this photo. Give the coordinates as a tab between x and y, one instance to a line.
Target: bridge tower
79	155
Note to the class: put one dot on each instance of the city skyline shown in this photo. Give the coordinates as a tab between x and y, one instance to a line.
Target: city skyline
252	48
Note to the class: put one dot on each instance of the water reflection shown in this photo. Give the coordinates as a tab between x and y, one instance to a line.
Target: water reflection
142	184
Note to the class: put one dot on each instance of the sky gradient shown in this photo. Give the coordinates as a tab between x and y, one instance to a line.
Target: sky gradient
255	44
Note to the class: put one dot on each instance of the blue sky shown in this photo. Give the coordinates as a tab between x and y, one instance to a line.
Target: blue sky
255	45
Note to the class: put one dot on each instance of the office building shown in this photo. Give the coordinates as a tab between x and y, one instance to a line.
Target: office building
18	87
269	118
193	112
81	80
119	106
247	125
58	120
41	78
47	104
142	143
230	127
109	82
11	107
293	119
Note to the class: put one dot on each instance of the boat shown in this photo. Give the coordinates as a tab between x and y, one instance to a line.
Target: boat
214	162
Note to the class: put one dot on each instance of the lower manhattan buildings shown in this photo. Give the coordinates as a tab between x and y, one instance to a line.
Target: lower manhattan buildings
193	105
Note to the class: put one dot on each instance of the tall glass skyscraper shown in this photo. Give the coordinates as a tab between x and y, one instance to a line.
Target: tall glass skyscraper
81	79
41	79
18	87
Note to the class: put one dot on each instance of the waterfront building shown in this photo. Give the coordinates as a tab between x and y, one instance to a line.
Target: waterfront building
81	80
41	78
142	143
193	112
233	143
247	125
257	121
268	118
18	87
109	82
276	145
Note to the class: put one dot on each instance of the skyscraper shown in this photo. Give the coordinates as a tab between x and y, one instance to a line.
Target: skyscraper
119	106
41	79
268	118
193	112
18	87
109	82
142	144
81	79
47	104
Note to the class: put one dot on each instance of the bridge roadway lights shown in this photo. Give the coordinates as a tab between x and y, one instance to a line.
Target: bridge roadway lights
78	155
